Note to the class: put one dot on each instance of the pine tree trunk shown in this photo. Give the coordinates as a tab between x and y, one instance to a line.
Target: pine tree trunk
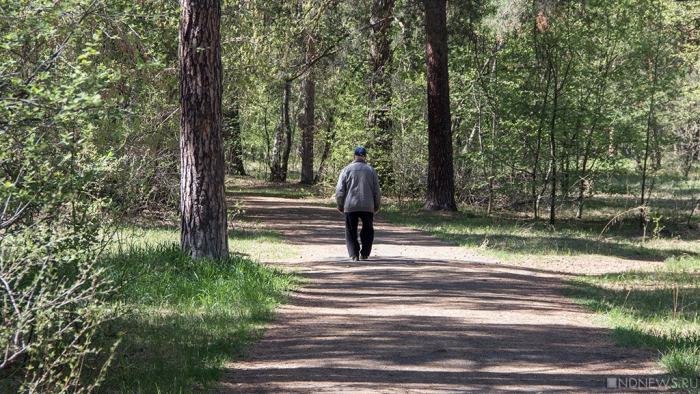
441	189
379	120
307	152
203	201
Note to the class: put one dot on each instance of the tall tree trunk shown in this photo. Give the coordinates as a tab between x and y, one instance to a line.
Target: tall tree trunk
276	164
553	153
441	188
232	133
537	197
330	138
203	229
560	78
277	172
494	132
600	94
379	119
287	128
307	151
651	125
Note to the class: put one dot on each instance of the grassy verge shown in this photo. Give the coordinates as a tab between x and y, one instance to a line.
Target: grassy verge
247	186
657	310
184	319
246	240
514	237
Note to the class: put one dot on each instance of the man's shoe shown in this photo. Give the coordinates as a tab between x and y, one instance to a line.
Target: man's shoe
354	258
364	257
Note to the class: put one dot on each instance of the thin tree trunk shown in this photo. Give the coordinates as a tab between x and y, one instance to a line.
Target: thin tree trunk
441	188
276	164
651	124
307	151
380	92
553	154
330	138
287	128
552	135
232	132
545	182
276	167
584	165
494	133
536	197
589	143
203	201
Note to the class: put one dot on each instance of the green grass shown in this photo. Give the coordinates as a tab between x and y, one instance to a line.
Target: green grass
657	310
184	319
513	237
652	309
246	239
248	186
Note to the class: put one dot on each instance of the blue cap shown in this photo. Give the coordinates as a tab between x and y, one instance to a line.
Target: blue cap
360	151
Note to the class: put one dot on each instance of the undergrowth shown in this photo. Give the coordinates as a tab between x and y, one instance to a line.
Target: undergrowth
658	310
184	319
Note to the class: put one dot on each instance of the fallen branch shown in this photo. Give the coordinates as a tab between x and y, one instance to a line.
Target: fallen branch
618	216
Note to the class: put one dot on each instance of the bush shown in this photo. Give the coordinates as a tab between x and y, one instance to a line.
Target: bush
52	311
57	120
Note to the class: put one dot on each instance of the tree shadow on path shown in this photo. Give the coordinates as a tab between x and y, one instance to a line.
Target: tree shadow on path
416	319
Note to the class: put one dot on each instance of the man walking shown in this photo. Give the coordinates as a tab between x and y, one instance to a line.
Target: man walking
358	196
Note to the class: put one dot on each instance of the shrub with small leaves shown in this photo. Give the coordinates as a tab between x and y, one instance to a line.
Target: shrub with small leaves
56	109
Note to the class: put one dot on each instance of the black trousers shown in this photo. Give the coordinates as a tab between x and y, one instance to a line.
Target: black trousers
366	234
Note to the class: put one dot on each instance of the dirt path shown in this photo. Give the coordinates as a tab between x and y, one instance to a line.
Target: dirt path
421	317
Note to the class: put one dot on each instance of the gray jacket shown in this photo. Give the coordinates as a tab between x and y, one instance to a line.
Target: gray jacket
358	188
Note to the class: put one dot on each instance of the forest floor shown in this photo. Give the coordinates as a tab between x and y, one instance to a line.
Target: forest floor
423	316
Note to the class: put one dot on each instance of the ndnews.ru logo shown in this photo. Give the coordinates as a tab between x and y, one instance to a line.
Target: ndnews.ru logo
642	383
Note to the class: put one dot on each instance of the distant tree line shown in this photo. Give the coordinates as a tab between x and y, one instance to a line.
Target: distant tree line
492	103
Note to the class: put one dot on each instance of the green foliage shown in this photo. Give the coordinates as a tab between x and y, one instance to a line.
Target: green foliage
623	70
52	311
611	228
185	319
651	309
683	362
552	103
140	44
555	95
93	77
72	74
511	237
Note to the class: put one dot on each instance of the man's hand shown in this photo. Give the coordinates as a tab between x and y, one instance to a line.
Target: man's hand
376	210
341	210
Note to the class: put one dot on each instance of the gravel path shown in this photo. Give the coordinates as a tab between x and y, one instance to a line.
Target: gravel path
421	316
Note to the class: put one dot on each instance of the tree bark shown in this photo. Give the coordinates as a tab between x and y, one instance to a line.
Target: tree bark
232	132
379	120
287	129
283	140
547	80
276	173
330	139
307	151
553	153
441	188
203	228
